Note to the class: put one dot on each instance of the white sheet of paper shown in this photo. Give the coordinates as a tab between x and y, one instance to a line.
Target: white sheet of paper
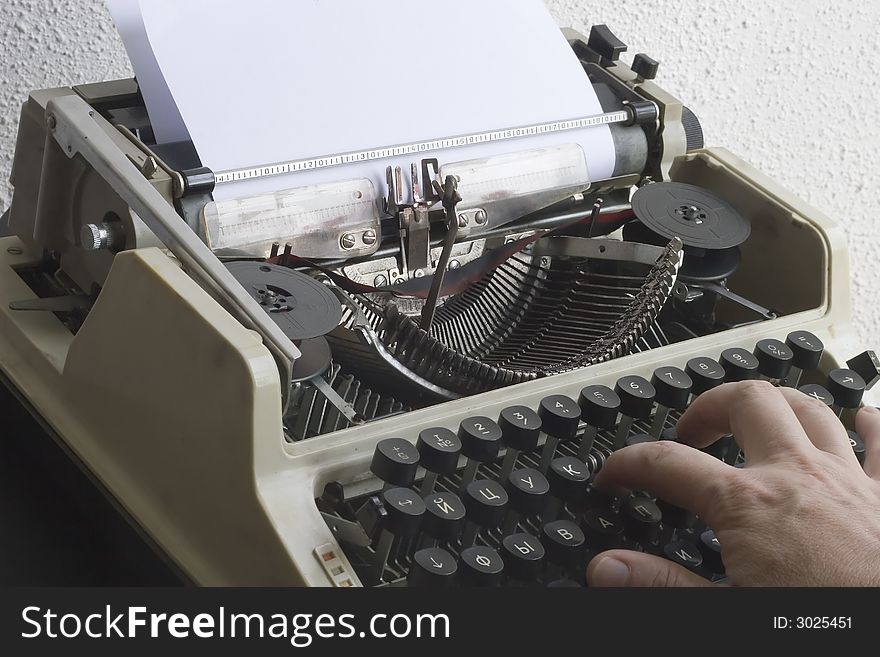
259	82
168	125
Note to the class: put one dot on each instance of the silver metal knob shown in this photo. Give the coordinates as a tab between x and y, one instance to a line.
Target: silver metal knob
94	237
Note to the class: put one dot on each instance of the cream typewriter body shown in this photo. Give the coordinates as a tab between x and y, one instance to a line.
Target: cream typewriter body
231	398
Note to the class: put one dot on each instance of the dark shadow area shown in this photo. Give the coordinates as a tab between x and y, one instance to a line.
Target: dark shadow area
56	527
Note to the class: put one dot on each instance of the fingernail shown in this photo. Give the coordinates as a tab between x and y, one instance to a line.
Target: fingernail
610	572
871	410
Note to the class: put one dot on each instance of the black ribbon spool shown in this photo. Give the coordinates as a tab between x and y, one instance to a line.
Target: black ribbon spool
304	309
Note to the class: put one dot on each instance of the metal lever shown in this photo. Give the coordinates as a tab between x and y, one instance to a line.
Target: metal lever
450	198
75	130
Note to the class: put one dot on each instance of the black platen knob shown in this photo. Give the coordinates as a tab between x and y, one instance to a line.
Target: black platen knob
438	450
568	478
603	528
560	416
816	391
636	396
480	566
528	490
807	349
705	374
405	510
523	556
444	516
641	518
564	543
775	358
645	67
847	388
599	406
868	366
858	447
684	553
520	427
710	549
432	568
395	461
480	438
603	42
739	364
672	386
485	502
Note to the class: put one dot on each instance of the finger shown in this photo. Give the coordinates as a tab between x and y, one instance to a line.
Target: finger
676	473
628	568
820	423
755	412
868	428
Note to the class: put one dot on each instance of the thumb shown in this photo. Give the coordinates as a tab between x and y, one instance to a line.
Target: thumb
627	568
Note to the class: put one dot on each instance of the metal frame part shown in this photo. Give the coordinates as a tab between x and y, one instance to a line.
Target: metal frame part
72	126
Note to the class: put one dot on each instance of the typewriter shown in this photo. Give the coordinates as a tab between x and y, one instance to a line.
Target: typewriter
406	393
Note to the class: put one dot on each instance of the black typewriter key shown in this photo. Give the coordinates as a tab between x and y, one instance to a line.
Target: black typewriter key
480	566
564	544
775	359
806	351
705	374
528	491
847	388
604	529
676	516
444	517
710	550
404	511
520	428
560	417
599	498
480	443
395	461
568	478
672	392
485	504
564	583
739	365
641	519
684	553
818	392
638	438
636	401
439	449
858	447
867	364
432	567
599	408
523	556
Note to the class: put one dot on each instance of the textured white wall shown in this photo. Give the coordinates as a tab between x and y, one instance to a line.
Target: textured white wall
791	86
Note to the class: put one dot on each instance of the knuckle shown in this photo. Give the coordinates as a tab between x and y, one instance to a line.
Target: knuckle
742	490
659	452
755	388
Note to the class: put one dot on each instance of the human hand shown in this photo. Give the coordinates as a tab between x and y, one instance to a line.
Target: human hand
802	512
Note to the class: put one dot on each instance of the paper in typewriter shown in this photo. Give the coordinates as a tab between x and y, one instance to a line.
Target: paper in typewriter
259	82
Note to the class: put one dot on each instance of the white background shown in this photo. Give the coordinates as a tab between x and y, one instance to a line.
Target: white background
791	86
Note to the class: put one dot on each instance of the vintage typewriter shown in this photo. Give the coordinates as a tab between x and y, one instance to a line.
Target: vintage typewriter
406	392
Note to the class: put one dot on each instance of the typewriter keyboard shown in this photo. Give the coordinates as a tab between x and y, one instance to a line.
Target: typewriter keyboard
508	500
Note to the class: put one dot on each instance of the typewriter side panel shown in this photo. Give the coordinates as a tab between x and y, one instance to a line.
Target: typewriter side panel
161	394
